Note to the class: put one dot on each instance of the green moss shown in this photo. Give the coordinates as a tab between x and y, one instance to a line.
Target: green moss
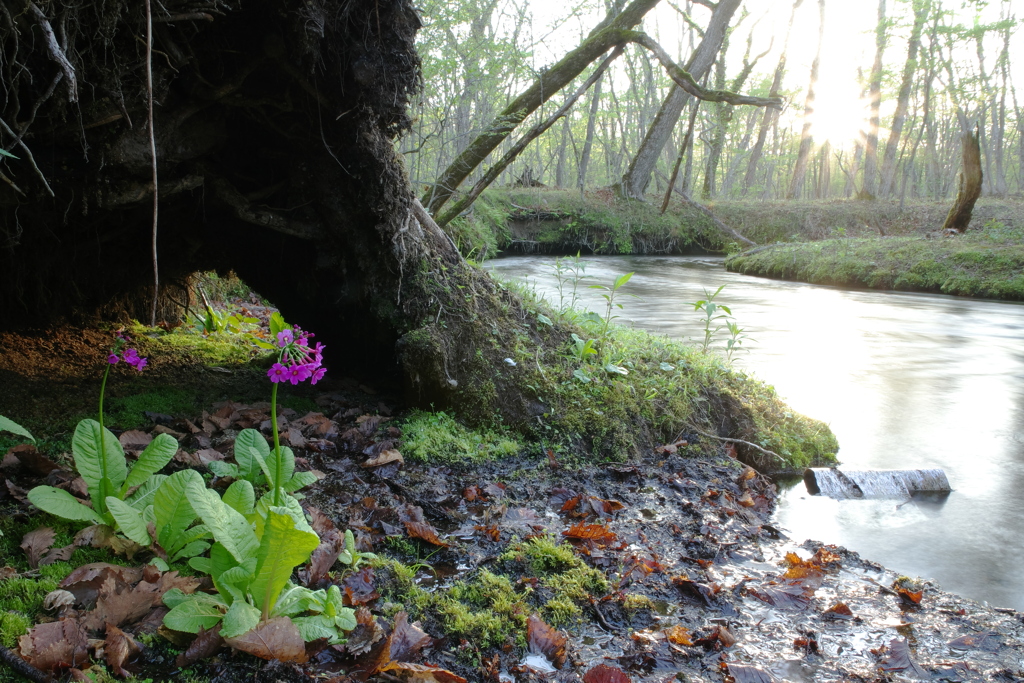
438	437
127	412
982	263
634	602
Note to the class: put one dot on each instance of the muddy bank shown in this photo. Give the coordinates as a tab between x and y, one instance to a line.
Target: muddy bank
662	566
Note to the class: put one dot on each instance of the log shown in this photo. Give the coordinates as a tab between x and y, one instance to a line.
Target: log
900	484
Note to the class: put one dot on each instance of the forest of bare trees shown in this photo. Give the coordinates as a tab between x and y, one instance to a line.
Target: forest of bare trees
934	71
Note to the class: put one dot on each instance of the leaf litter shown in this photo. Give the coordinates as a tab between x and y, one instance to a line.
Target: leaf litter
704	582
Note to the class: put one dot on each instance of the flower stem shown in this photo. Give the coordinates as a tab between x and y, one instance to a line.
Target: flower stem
277	447
103	446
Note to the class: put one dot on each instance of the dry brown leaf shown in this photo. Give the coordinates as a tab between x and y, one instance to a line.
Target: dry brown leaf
840	610
407	639
207	455
134	441
424	531
56	599
86	580
326	554
899	659
366	633
598	533
56	645
35	543
320	522
385	458
7	573
602	673
206	644
421	673
546	641
742	673
118	648
359	589
678	635
277	638
32	460
58	555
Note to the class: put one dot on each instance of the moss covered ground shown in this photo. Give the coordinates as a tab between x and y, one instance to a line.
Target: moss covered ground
986	262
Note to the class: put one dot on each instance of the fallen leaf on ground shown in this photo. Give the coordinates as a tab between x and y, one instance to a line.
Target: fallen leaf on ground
678	635
420	673
118	648
671	448
56	645
840	610
742	673
32	460
359	589
57	599
385	458
407	639
7	573
794	596
908	596
546	641
366	633
602	673
898	659
35	543
277	638
134	441
598	533
206	644
332	542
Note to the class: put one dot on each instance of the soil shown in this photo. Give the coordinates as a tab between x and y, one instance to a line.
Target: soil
702	586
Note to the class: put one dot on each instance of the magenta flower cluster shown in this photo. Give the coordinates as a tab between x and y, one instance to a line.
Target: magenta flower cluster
298	360
129	356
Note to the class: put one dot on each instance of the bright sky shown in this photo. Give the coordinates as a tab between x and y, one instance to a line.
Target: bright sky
848	45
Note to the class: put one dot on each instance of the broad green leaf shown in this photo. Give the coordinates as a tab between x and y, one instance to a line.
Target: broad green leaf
63	504
193	613
282	548
143	495
247	439
15	428
241	617
129	520
227	525
667	367
299	480
197	533
173	512
157	454
277	324
241	497
191	550
225	469
175	597
261	461
613	369
621	280
313	628
346	619
160	564
544	320
283	469
96	466
203	565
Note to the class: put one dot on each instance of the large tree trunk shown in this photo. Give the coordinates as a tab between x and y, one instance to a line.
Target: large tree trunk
875	102
968	188
635	181
902	101
806	139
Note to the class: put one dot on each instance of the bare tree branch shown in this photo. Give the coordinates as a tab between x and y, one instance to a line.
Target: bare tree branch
56	54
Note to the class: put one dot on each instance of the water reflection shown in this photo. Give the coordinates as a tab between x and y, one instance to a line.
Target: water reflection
904	380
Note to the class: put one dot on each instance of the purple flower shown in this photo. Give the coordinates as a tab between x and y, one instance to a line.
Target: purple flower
112	358
141	364
278	373
285	337
318	374
297	373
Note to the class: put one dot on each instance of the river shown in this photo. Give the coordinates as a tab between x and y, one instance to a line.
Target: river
904	380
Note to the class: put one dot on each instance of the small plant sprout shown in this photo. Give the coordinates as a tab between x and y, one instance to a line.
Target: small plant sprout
609	293
712	315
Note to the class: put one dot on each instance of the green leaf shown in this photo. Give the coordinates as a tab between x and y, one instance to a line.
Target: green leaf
277	324
203	565
613	369
246	440
282	548
144	495
543	319
225	469
12	426
299	480
197	611
160	564
621	280
173	512
346	619
241	497
234	583
191	550
103	472
260	460
227	525
581	376
314	628
5	153
667	367
129	520
63	504
241	617
157	454
281	464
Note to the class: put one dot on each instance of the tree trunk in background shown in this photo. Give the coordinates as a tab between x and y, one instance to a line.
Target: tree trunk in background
770	115
969	186
560	164
921	10
806	139
552	80
588	143
634	182
868	189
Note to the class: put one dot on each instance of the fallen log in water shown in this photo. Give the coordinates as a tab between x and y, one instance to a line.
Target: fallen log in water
841	484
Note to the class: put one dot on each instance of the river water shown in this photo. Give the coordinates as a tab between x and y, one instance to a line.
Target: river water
904	380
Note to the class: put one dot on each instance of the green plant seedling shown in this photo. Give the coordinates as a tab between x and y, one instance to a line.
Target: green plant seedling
609	294
352	557
735	340
7	425
711	315
582	348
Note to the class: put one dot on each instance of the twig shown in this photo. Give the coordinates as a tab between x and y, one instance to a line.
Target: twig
11	183
188	16
600	617
22	667
28	153
35	107
152	153
56	54
731	440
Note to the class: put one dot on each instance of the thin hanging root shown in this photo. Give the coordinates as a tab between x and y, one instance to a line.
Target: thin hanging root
28	154
11	183
731	440
56	54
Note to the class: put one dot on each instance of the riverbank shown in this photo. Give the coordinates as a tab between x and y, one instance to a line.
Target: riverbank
521	568
986	262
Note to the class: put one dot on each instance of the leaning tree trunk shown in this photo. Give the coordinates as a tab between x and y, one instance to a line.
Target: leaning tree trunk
796	184
875	101
968	188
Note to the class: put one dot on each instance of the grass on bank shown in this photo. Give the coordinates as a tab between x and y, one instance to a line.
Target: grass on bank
986	262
